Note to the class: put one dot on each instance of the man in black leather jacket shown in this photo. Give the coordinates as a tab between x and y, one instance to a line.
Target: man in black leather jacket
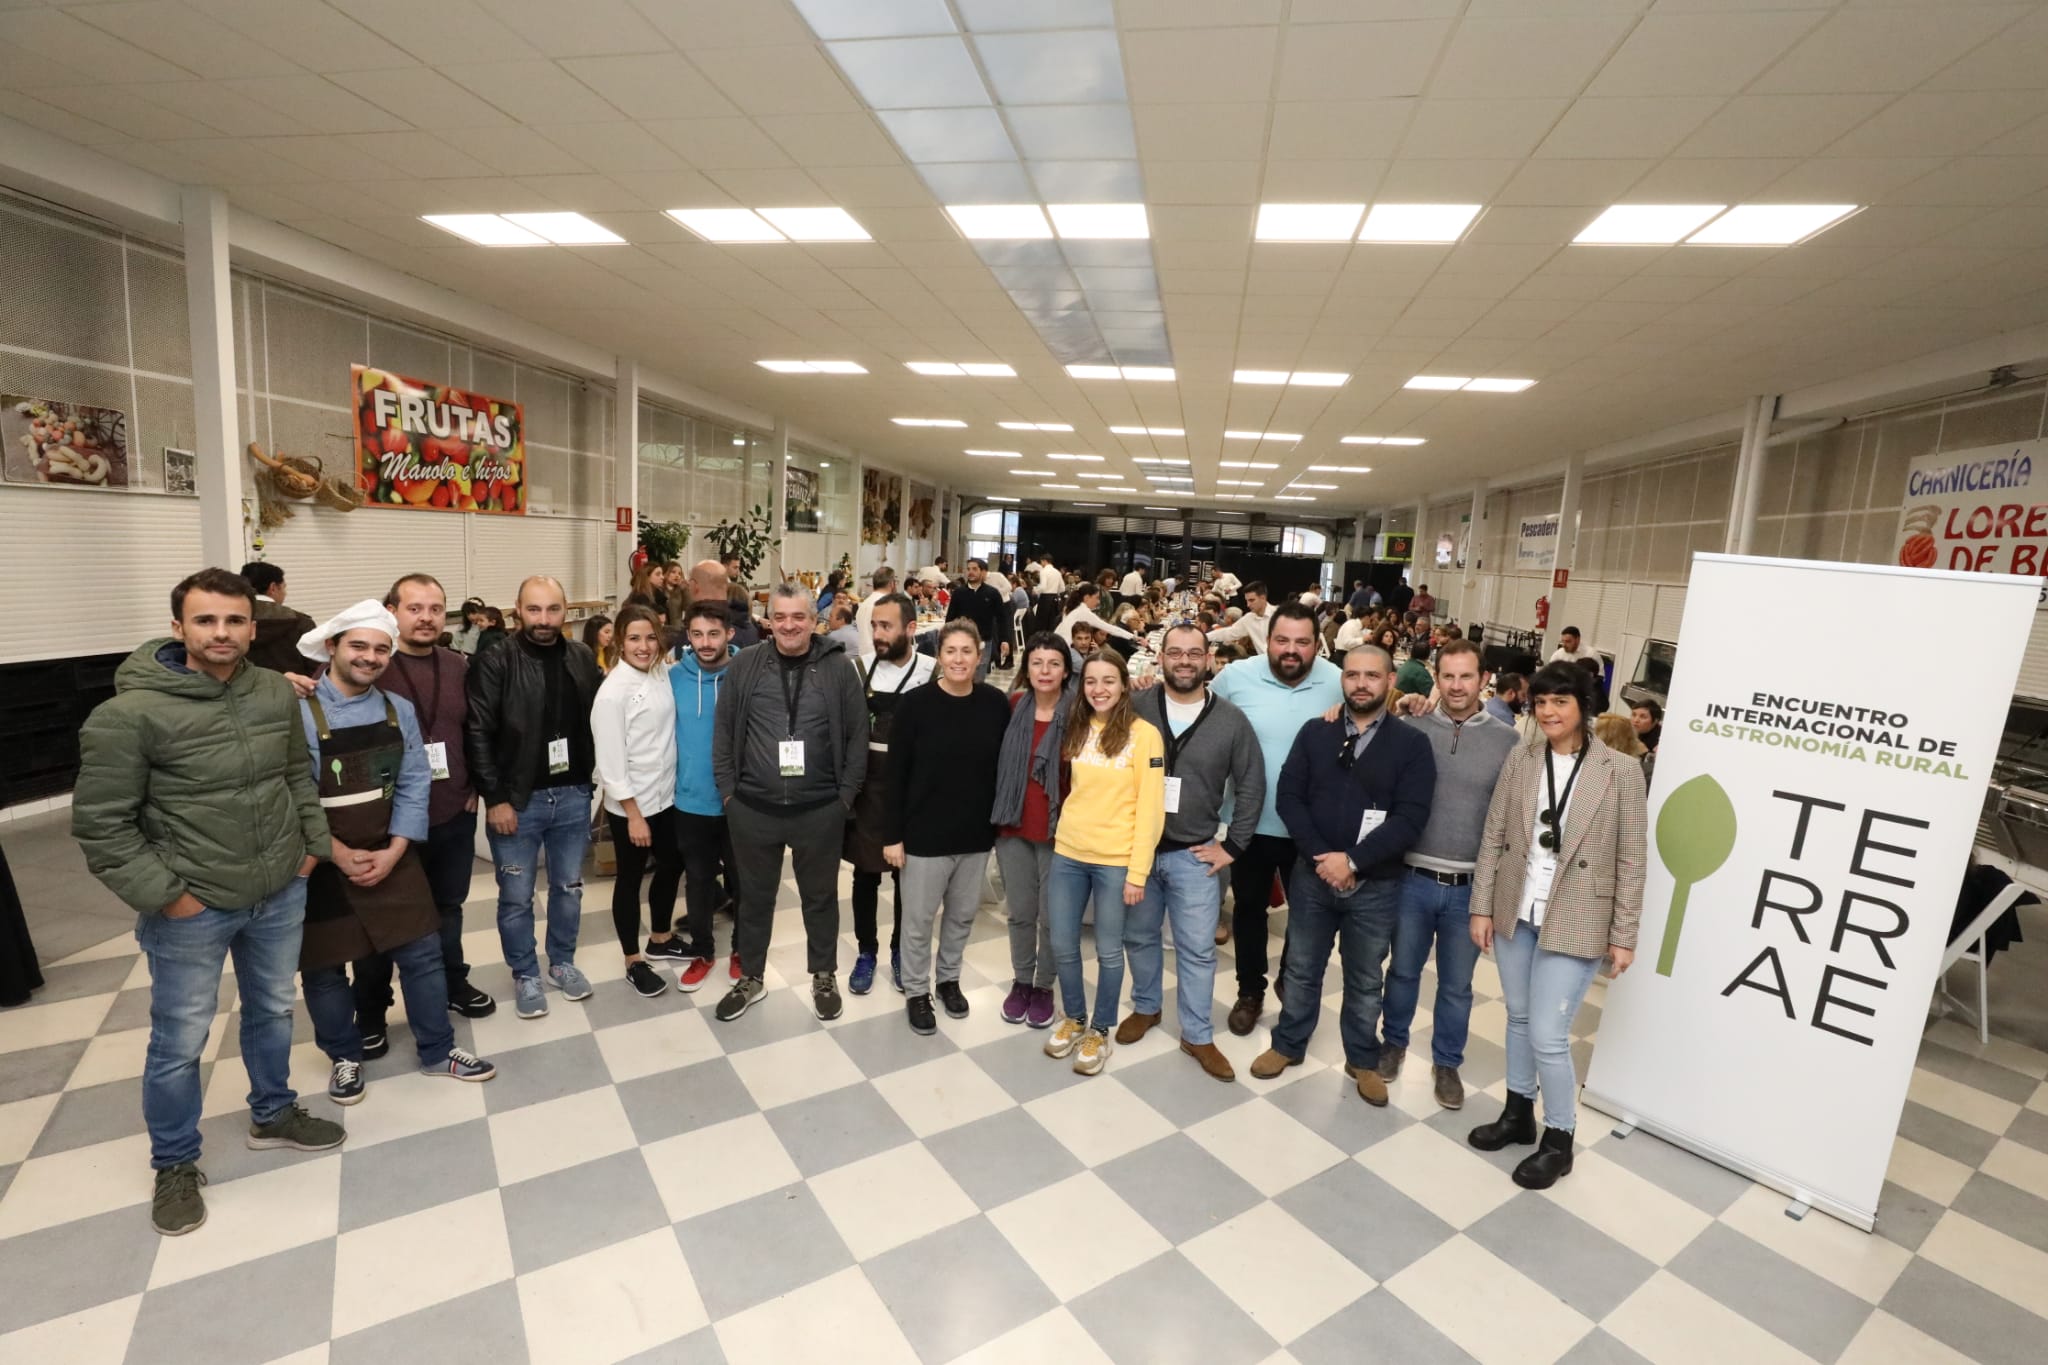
530	757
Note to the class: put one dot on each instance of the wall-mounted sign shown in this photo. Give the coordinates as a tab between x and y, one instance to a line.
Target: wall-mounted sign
1536	542
1399	548
1983	510
800	496
433	446
181	472
64	445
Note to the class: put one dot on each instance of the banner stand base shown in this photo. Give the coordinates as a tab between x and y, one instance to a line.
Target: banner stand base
1797	1210
1864	1220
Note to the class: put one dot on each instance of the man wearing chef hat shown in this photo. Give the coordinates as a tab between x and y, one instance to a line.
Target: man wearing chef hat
373	775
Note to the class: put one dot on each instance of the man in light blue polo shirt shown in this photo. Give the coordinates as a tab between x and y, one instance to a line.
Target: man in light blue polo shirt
1279	694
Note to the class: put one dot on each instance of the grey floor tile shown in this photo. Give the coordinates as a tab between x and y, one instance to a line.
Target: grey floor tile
672	1102
699	1348
1572	1259
614	1002
1166	1312
7	1177
98	1113
1177	1087
1179	1188
1369	1221
1598	1348
957	1288
224	1144
1377	1327
1002	1157
1778	1295
829	1130
1953	1138
546	1071
1694	1179
1485	1062
130	1010
1906	1216
885	1043
2031	1128
1982	1325
38	1070
780	1014
1329	1106
408	1174
1020	1066
566	1213
74	1266
249	1313
483	1326
1976	1073
83	978
760	1248
2013	1211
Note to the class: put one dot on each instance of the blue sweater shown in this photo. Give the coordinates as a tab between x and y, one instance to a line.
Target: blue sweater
415	778
1323	805
1277	713
696	693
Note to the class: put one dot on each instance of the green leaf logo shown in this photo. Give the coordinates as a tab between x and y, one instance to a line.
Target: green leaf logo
1695	835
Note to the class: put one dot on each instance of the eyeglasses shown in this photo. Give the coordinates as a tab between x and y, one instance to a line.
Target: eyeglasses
1192	655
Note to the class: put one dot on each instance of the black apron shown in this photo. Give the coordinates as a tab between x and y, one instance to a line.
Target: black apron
862	843
358	777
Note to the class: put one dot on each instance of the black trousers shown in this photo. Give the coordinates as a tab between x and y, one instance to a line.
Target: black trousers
450	858
706	845
812	839
666	854
867	902
1251	887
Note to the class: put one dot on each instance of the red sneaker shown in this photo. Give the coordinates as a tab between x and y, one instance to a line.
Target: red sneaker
735	966
692	976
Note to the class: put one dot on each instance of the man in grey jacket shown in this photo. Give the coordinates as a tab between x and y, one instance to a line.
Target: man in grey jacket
789	750
1211	753
1436	890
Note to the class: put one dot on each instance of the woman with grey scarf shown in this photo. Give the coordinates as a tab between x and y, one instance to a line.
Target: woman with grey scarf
1026	812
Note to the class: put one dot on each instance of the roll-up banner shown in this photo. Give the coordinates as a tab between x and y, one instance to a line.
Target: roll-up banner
1536	542
1810	824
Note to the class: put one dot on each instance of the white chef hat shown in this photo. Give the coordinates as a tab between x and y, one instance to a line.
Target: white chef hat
366	614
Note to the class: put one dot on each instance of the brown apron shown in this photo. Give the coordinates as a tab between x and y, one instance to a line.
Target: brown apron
862	843
358	778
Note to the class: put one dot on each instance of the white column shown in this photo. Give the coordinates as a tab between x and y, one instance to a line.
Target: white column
210	315
860	474
1757	438
1417	565
901	559
778	494
1567	549
1359	549
626	467
1468	589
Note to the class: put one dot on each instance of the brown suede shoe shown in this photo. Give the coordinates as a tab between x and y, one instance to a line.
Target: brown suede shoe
1450	1091
1134	1027
1213	1061
1222	933
1271	1063
1390	1062
1244	1015
1371	1088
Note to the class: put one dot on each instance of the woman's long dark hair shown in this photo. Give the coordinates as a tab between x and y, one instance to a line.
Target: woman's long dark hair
1081	594
1561	679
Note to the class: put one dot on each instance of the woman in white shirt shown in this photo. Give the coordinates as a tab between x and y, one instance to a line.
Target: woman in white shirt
633	726
1081	604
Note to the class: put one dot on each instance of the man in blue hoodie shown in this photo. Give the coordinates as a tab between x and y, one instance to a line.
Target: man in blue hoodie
700	815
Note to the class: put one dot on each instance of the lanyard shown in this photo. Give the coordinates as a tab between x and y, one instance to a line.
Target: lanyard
795	694
1175	743
1557	805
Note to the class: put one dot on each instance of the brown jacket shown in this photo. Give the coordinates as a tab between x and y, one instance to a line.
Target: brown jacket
1598	895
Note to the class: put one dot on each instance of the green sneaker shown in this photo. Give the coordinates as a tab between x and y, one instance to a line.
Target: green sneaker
177	1208
297	1129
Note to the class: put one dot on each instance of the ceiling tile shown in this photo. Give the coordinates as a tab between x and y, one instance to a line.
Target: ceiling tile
1307	181
1780	125
1987	180
1327	130
37	112
1647	127
613	147
179	33
425	102
1057	132
978	182
73	42
1847	180
597	27
817	140
1200	182
533	92
719	143
869	187
1189	132
423	155
450	26
1520	57
1945	123
1471	181
1480	127
1200	65
1344	61
1884	49
1709	180
651	85
225	111
781	80
1700	54
513	150
789	186
317	102
911	73
726	23
592	193
1076	66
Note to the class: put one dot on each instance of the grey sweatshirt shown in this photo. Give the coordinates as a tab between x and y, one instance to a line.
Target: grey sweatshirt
1468	762
1223	755
753	719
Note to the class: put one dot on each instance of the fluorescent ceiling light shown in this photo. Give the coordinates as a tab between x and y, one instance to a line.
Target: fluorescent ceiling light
1290	497
1646	224
1151	374
1170	478
1312	485
817	225
927	422
485	229
727	225
824	464
1340	469
1094	372
948	368
1403	441
566	229
1438	381
1011	221
994	454
1240	483
1259	377
1770	224
1036	426
1262	436
1093	459
1235	497
997	497
812	367
1320	379
1092	475
1162	509
1114	488
989	370
838	367
1063	487
1089	504
1417	222
1148	431
1499	385
1154	459
1108	221
1245	464
1038	473
1307	222
932	367
1361	440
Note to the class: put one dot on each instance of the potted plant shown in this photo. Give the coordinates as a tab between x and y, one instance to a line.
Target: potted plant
751	537
662	542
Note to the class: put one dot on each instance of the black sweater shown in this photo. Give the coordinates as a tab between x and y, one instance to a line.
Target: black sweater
942	770
1324	805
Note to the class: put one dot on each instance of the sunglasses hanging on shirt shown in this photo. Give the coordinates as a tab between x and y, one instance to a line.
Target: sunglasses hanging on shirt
1551	836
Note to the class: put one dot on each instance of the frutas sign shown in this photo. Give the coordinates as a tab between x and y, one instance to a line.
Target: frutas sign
432	446
1982	511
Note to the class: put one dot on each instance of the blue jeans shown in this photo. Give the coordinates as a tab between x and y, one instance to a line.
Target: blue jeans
557	819
1432	915
185	957
1360	922
1543	991
1069	884
332	1003
1180	886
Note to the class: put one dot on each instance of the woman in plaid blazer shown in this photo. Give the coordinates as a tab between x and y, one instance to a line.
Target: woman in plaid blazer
1558	887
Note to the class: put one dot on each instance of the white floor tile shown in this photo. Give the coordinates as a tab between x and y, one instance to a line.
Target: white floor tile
256	1216
1960	1101
406	1104
1927	1172
312	1355
1439	1174
1885	1340
2019	1165
610	1303
1985	1256
984	1021
1858	1262
21	1123
1055	1337
674	1038
64	1022
1644	1217
1098	1120
95	1336
890	1198
1670	1322
557	1134
1077	1234
396	1267
1524	1323
713	1167
504	1031
227	1090
839	1318
49	1190
936	1095
1266	1145
795	1069
1293	1282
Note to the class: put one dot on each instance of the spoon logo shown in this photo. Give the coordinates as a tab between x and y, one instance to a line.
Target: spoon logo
1695	834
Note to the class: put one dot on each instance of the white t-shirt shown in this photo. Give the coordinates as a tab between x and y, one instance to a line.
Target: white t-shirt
1050	580
1585	651
886	677
1541	870
1132	586
633	731
1181	714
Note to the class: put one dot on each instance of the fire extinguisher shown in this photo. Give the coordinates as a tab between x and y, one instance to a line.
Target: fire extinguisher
1542	613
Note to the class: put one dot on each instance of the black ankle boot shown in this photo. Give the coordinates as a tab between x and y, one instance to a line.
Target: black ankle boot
1553	1158
1516	1124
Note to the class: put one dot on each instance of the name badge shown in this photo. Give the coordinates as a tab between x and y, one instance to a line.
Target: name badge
791	755
1370	821
558	756
1173	796
1541	875
437	759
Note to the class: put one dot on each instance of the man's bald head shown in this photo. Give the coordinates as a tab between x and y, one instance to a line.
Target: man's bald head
708	580
538	588
542	606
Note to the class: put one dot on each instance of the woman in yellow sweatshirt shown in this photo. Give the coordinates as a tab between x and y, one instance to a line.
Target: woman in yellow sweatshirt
1109	827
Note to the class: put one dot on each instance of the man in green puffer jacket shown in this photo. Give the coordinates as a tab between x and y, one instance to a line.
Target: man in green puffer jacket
195	804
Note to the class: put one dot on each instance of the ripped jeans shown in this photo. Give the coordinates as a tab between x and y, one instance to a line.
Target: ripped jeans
1543	991
557	819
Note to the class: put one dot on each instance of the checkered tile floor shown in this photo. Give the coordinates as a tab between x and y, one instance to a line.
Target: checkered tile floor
644	1183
